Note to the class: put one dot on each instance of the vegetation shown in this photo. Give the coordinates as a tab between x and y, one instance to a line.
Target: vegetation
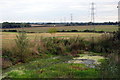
82	31
52	31
22	47
105	28
58	46
52	54
14	25
52	68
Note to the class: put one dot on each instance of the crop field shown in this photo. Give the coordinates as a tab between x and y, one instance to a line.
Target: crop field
107	28
8	37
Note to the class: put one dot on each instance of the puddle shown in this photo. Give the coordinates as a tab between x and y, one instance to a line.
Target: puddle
89	60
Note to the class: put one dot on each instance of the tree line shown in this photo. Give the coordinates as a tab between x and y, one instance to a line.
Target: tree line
15	25
20	25
77	23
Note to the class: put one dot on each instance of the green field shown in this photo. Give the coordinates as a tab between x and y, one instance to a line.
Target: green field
108	28
53	67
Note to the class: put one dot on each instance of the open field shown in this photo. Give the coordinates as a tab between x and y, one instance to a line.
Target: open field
8	37
56	58
108	28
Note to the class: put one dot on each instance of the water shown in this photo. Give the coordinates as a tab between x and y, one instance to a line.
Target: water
88	60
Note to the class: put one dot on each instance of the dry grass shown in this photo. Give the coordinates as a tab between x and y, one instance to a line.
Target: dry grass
8	37
11	36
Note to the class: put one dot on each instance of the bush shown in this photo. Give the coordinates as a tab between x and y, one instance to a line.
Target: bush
51	45
22	47
110	68
104	44
52	30
7	53
7	57
21	52
62	46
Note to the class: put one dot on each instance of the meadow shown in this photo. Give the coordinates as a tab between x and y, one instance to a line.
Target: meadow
51	55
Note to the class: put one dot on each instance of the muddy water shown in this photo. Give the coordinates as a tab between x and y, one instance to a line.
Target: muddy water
89	61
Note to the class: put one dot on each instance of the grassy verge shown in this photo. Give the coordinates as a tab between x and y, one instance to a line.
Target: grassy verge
52	68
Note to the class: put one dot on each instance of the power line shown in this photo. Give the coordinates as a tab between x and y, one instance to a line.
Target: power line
93	15
92	22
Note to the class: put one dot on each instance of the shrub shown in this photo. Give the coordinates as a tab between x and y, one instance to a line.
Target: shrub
22	47
7	57
62	46
104	44
51	45
52	30
7	53
75	43
21	52
110	68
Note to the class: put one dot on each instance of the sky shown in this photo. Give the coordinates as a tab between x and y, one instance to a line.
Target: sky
57	10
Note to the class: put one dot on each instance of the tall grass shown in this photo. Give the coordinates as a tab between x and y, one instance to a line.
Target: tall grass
58	46
22	46
111	67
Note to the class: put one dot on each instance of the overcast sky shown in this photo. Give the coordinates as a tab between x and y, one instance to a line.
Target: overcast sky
57	10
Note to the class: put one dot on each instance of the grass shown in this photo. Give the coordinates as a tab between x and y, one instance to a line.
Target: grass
8	38
54	67
109	28
51	68
56	71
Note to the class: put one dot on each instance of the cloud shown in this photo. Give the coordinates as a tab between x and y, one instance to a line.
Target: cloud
47	10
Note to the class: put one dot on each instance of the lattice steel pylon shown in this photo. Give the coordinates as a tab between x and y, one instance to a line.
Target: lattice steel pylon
93	15
92	24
